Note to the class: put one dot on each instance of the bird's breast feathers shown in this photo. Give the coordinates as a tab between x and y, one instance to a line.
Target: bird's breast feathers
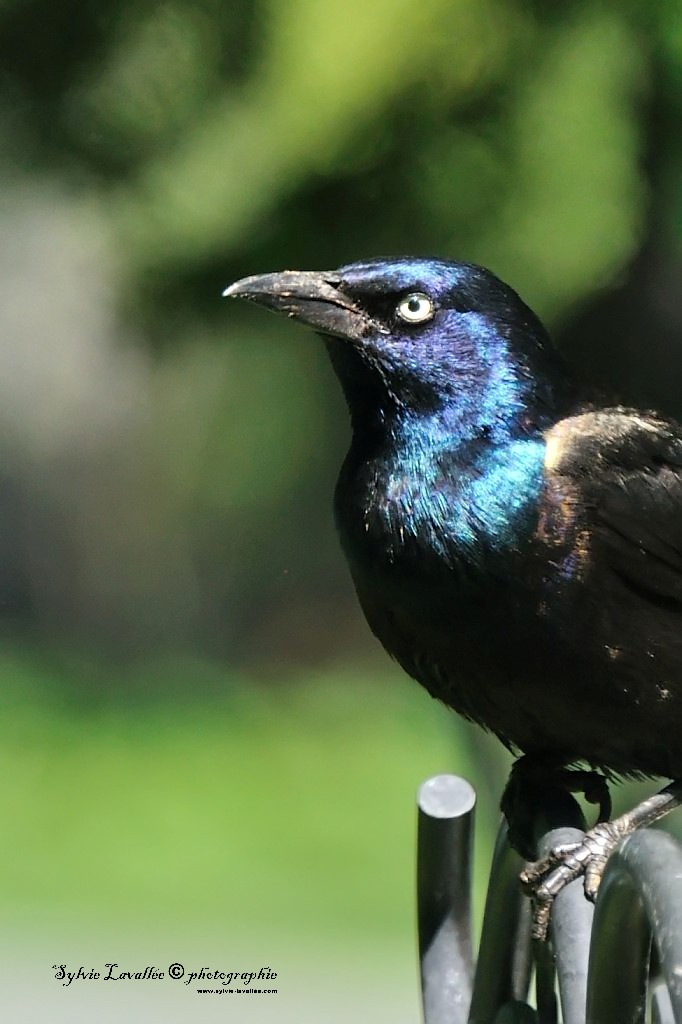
426	503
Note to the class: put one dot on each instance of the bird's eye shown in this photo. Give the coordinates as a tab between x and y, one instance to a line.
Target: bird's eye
415	308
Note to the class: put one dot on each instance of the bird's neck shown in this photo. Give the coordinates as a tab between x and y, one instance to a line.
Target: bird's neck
459	479
494	406
461	497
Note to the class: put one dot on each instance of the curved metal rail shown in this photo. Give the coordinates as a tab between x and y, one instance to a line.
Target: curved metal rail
619	965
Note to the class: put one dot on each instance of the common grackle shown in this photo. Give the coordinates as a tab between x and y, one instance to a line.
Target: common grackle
517	550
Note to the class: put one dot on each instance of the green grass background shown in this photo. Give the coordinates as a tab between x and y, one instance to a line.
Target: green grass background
289	807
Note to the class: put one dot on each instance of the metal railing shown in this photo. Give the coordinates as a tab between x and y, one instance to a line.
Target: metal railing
618	963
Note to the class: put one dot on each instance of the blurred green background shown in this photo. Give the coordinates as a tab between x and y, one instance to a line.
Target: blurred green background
204	752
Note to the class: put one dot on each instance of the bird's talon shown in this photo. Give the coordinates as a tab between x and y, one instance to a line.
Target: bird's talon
546	878
541	916
594	872
536	871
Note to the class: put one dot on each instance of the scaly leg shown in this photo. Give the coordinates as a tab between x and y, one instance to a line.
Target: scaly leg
544	879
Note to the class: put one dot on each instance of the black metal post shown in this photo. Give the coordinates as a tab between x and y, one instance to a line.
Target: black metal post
503	966
609	980
444	860
569	931
640	897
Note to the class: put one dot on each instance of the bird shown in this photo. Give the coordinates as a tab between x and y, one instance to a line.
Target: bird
515	544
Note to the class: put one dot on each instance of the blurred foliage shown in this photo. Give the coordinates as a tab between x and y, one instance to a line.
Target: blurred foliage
249	810
167	462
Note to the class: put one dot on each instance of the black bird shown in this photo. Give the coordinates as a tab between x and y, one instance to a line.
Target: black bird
517	551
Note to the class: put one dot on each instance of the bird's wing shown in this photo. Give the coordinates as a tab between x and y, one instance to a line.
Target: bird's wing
623	471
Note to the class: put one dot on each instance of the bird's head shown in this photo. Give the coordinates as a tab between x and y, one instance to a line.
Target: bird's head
416	336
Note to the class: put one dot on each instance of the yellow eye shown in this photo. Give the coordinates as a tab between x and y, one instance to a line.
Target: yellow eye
415	308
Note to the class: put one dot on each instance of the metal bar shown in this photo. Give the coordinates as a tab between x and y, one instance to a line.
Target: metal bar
640	895
516	1013
545	984
661	1007
444	864
569	931
503	966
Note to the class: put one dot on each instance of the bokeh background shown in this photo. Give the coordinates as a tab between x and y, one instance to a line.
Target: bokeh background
205	756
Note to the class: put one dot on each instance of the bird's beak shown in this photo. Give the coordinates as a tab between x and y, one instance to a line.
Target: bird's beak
313	297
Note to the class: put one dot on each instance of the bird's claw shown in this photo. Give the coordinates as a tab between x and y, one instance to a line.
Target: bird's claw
544	879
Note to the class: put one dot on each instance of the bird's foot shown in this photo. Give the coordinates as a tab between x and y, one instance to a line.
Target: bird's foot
544	879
